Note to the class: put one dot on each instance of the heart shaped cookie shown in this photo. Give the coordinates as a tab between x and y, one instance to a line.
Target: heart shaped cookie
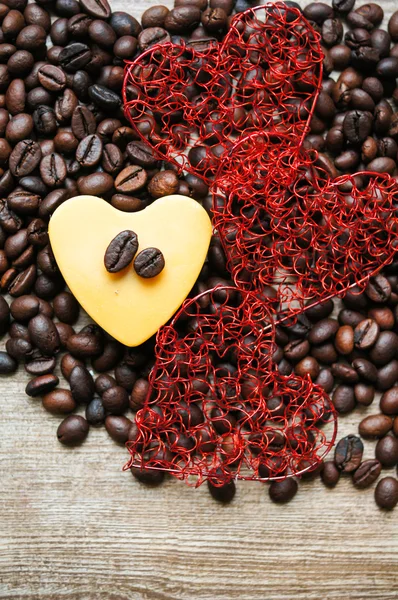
190	101
129	307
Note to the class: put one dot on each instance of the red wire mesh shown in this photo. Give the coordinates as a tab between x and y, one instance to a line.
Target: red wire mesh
283	222
218	406
191	100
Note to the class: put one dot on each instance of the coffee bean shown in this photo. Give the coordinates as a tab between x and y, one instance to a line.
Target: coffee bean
375	426
139	394
111	355
357	126
330	474
365	369
95	413
364	394
64	331
103	383
344	340
323	330
68	363
393	26
25	308
99	9
131	179
325	380
152	37
19	348
102	34
66	108
125	47
296	350
387	375
125	376
283	491
386	493
95	184
66	308
348	453
387	450
121	251
42	385
31	37
149	263
115	400
75	56
124	24
164	183
308	366
378	289
59	32
44	334
385	348
23	283
344	372
118	428
52	78
366	334
89	151
73	430
59	402
104	97
141	154
350	317
84	345
366	474
8	364
25	158
81	384
389	402
45	121
53	170
39	365
383	316
344	399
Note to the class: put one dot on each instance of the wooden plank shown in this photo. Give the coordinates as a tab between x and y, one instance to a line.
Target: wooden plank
73	526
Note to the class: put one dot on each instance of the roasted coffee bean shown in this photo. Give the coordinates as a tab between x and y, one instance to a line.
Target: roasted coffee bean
104	98
375	426
59	402
125	376
387	451
152	37
320	311
318	12
66	308
102	34
344	372
125	47
350	317
73	430
44	334
296	350
387	376
95	184
19	348
46	261
348	453
42	385
64	332
81	384
95	413
383	316
8	364
344	340
388	401
99	9
357	126
323	330
53	170
131	179
325	380
393	26
59	32
39	365
52	78
25	308
65	107
149	263
109	358
74	57
332	32
385	348
52	201
89	151
364	394
45	121
386	493
24	203
68	363
365	369
139	394
115	400
344	399
121	251
83	122
103	383
141	154
112	159
25	158
378	289
124	24
22	283
308	366
154	16
366	474
224	493
32	38
84	345
118	428
366	334
330	474
164	183
283	491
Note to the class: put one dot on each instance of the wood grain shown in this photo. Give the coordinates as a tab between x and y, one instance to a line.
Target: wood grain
73	526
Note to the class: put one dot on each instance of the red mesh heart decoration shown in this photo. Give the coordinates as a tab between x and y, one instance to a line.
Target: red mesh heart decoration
191	101
283	222
218	406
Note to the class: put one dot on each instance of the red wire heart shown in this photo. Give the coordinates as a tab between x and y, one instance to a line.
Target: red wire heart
218	405
283	221
266	74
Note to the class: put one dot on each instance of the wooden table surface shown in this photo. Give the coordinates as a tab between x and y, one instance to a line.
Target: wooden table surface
74	526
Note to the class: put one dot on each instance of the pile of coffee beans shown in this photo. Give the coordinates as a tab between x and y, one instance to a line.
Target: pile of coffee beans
62	133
